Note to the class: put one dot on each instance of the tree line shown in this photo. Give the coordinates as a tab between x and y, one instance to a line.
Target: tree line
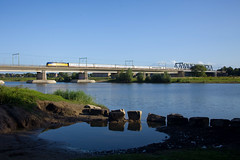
127	77
230	71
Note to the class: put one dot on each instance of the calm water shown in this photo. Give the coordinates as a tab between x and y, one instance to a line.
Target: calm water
211	100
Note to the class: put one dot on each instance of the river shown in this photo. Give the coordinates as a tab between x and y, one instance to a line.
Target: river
209	100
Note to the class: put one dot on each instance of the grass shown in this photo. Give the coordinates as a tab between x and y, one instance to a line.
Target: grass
27	98
77	96
205	80
24	97
198	154
10	79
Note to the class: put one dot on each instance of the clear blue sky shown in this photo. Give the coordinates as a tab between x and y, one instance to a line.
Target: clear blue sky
112	31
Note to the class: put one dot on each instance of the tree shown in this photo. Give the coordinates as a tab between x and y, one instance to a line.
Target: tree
199	70
161	78
140	77
125	77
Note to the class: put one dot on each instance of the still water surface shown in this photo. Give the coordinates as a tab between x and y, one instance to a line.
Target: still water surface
210	100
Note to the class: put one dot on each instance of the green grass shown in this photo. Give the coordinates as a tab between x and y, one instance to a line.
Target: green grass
199	154
10	79
77	96
24	97
205	80
27	98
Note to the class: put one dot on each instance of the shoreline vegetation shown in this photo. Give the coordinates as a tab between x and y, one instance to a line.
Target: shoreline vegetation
235	79
28	98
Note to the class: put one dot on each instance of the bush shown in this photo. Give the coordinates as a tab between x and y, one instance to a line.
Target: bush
161	78
148	79
140	77
125	77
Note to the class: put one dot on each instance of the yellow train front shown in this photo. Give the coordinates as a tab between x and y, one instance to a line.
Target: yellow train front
57	64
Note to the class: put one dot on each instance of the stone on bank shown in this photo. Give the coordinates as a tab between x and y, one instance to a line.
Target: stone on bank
117	115
134	115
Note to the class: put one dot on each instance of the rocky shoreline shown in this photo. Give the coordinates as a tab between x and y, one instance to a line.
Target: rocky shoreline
18	128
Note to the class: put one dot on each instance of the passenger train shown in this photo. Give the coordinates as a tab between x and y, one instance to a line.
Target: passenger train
63	64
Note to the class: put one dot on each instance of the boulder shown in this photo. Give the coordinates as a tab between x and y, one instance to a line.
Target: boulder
156	118
2	82
103	112
117	115
219	123
134	115
92	107
235	122
199	122
176	119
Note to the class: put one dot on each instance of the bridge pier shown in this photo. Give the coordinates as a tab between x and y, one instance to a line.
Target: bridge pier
41	79
181	74
83	78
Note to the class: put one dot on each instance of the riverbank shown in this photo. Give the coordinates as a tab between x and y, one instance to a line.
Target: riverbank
25	109
173	79
184	144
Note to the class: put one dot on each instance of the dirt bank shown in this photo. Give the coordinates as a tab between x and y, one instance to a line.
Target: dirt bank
44	115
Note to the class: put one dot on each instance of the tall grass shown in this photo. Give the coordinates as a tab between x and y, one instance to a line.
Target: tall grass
77	96
24	97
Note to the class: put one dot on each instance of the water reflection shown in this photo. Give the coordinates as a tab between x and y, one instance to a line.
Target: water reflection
135	126
156	124
116	126
98	124
95	136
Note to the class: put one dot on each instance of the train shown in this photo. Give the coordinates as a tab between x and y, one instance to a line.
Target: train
57	64
64	64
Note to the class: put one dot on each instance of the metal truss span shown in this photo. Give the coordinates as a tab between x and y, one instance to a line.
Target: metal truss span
185	66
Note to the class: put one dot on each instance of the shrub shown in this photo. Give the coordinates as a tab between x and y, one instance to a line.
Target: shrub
140	77
125	77
161	78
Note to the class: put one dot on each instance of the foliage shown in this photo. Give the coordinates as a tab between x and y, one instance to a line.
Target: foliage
205	80
27	98
125	77
148	79
230	71
140	77
77	96
24	97
193	154
199	70
161	78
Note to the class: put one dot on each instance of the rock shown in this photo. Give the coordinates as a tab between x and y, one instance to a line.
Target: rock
117	115
134	126
103	112
156	118
92	107
219	122
199	121
2	82
176	119
235	122
134	115
116	126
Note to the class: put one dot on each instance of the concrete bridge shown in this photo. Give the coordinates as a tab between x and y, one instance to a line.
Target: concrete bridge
83	71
